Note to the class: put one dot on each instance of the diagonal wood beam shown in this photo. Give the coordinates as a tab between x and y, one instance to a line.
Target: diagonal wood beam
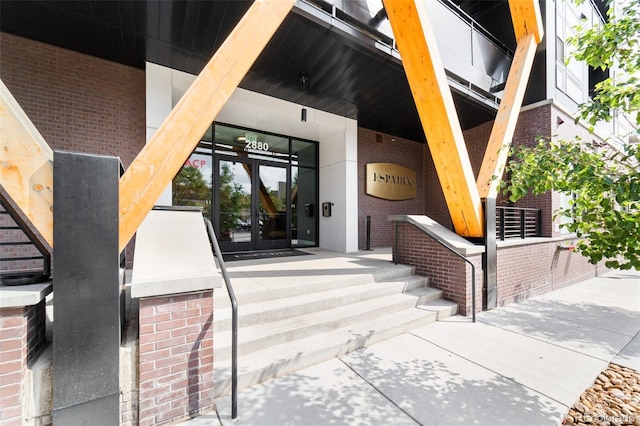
527	25
497	151
26	165
425	73
526	18
161	158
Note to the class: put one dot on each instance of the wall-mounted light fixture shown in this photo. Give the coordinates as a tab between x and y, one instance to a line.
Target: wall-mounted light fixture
303	115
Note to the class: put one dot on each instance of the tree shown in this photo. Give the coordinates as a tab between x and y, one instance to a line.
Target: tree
602	179
190	189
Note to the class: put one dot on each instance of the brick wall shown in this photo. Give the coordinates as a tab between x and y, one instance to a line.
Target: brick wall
528	270
445	270
523	270
77	102
11	254
374	147
22	337
175	357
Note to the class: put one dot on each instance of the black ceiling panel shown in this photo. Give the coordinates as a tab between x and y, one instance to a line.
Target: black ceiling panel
344	77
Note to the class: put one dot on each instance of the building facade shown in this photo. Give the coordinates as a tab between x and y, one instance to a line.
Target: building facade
319	146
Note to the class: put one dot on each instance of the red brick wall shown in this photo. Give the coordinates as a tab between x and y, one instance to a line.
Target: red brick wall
388	149
22	337
528	270
523	271
445	270
77	102
175	357
8	254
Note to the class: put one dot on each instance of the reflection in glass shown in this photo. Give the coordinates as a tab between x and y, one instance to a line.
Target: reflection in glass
273	205
303	153
192	185
251	144
235	201
304	211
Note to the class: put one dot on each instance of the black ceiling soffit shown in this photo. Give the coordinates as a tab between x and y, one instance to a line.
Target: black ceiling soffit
343	77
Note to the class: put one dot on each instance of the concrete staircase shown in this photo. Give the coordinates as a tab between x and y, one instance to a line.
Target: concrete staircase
298	326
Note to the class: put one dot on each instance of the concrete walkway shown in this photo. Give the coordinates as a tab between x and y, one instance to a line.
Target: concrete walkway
524	364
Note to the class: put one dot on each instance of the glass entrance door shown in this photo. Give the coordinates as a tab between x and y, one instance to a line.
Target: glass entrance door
251	204
272	187
235	208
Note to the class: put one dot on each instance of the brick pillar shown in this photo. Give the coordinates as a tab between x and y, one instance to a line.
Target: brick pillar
22	338
176	357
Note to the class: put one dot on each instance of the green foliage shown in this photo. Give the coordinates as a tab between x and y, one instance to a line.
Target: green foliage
190	189
603	182
605	185
233	200
613	44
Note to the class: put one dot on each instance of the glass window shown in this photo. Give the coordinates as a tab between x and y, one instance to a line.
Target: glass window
192	185
251	144
303	153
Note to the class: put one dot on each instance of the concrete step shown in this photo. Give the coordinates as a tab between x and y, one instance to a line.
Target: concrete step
302	323
281	359
259	336
278	309
342	279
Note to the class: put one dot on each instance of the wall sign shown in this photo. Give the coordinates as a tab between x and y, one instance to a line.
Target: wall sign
391	181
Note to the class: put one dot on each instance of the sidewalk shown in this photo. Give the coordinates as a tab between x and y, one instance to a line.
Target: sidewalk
523	364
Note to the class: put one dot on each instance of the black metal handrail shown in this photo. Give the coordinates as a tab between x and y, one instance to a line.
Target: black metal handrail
25	277
454	251
234	319
516	222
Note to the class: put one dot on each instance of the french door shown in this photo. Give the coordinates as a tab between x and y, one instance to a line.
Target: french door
251	211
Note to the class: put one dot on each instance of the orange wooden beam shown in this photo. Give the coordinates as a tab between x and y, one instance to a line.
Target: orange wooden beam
160	160
526	18
432	95
26	165
497	151
528	28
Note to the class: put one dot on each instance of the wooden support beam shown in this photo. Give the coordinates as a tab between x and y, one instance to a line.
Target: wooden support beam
26	165
425	73
160	160
526	18
497	151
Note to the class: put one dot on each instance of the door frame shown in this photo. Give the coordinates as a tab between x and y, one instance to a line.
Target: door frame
255	242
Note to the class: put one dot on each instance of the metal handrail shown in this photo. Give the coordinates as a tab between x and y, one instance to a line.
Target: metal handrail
454	251
234	319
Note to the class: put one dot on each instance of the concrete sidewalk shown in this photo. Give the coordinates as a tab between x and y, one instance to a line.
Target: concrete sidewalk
524	364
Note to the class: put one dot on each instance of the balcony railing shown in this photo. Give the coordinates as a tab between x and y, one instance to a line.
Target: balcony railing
513	222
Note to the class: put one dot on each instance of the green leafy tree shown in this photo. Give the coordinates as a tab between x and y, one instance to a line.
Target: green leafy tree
615	44
233	200
190	189
603	180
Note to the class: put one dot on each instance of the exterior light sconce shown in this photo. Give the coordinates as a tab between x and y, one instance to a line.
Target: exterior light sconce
303	115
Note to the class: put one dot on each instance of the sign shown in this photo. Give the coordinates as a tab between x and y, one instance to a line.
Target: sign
391	181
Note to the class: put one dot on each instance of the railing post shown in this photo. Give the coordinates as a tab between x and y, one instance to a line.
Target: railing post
522	223
502	224
490	265
368	233
539	223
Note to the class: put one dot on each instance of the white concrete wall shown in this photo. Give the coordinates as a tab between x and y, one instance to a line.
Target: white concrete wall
337	137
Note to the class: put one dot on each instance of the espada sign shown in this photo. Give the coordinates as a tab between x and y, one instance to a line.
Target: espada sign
391	181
